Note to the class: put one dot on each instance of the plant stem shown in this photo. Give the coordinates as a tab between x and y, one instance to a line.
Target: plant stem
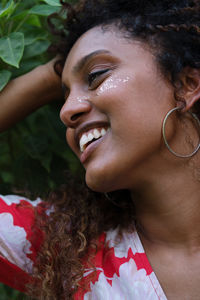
10	27
2	26
21	23
1	31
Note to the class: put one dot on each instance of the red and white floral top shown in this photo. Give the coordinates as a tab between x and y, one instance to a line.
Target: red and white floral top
122	268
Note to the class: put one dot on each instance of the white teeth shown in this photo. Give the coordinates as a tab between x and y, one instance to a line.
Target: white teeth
90	137
103	131
95	134
83	141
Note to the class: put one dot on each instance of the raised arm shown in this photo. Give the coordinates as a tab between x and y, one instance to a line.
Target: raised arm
27	93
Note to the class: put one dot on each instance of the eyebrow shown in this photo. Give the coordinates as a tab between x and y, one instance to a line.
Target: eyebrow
83	61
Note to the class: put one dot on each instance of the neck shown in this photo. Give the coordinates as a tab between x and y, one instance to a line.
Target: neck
168	208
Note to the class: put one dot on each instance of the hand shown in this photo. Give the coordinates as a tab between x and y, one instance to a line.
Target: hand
52	72
28	92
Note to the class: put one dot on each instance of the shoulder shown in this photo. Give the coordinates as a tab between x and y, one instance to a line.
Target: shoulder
120	264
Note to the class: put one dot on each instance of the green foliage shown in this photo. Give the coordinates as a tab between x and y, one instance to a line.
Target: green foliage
6	9
12	48
4	78
53	2
22	24
43	10
7	293
34	154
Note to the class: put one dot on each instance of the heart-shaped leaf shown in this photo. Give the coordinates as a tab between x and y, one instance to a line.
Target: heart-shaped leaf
43	10
53	2
32	34
4	78
36	48
12	48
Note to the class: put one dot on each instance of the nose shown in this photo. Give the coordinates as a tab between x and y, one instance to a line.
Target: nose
74	109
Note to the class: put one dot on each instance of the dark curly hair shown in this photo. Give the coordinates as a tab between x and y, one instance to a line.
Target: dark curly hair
172	30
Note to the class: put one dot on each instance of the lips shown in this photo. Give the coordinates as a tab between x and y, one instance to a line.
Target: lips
88	136
90	149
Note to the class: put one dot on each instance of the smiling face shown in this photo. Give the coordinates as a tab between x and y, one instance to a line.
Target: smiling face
116	99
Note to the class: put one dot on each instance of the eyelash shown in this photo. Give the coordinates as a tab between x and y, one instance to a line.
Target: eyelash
93	76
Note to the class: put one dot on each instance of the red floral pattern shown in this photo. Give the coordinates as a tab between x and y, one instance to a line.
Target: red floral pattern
122	271
118	270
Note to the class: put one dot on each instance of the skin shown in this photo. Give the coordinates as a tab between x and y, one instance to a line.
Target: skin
27	93
132	99
111	166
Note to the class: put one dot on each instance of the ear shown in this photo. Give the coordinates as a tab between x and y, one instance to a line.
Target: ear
190	90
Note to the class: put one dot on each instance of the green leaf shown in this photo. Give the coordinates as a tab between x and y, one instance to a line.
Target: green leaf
24	15
35	146
32	34
25	4
34	21
35	49
4	78
53	2
38	148
19	16
44	10
33	171
7	9
26	66
12	48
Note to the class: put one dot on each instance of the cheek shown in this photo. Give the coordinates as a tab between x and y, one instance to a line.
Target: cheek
136	109
111	84
70	140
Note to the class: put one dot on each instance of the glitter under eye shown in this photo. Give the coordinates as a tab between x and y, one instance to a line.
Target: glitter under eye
112	83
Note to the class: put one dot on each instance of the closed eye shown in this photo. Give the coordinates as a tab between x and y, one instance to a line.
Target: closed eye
92	77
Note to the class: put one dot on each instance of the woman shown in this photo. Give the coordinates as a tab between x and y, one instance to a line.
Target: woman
132	83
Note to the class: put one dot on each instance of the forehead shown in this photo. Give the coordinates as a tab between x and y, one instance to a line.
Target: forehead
93	40
96	39
127	51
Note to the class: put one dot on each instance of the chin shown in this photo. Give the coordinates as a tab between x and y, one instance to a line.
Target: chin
95	184
101	181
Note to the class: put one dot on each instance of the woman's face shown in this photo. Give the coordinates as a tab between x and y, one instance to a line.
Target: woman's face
116	99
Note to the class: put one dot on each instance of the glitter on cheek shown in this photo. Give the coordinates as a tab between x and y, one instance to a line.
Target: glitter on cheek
126	79
81	99
111	83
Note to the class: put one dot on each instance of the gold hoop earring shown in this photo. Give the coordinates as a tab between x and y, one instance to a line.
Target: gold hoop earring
165	139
